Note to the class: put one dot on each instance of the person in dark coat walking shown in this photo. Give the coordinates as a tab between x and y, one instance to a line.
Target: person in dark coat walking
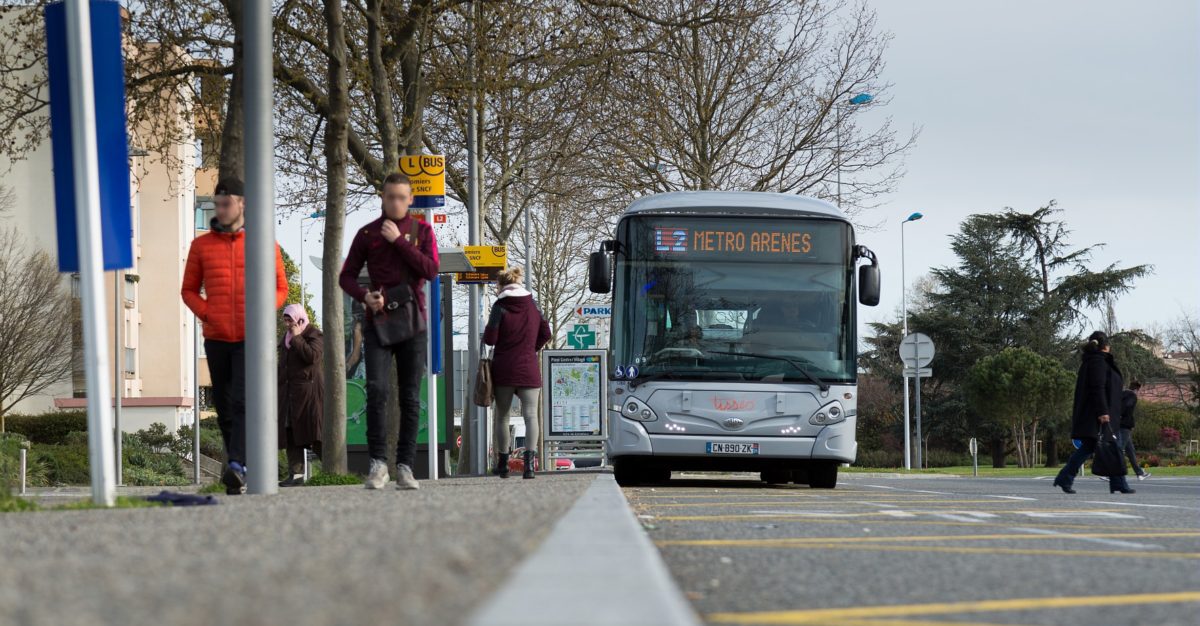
518	331
1097	399
301	391
1129	400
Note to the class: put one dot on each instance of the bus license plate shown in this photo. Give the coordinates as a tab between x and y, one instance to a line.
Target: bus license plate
732	448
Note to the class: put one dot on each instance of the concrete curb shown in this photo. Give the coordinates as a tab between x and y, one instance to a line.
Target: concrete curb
597	567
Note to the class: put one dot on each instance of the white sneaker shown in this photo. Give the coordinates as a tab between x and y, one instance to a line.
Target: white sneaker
405	480
377	477
1144	475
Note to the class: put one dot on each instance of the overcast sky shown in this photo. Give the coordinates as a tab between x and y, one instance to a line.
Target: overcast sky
1091	103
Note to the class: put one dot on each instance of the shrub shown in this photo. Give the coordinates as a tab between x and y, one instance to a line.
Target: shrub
10	464
1150	460
48	428
65	465
211	444
1169	437
1153	417
945	458
879	458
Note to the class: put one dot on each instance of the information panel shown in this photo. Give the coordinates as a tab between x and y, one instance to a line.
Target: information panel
575	387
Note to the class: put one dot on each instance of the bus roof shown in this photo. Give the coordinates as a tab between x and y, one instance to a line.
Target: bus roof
733	203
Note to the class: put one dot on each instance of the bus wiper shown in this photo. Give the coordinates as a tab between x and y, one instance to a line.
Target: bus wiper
824	386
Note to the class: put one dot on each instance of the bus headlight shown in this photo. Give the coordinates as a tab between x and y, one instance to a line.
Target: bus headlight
637	410
831	413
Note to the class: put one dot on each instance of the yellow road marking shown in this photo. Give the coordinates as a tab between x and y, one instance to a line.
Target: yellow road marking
787	541
948	608
801	519
908	622
964	550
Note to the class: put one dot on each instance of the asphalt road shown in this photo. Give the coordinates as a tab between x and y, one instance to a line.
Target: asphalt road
311	555
888	550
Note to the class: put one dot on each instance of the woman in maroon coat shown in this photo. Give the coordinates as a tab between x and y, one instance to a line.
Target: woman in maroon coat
301	391
517	329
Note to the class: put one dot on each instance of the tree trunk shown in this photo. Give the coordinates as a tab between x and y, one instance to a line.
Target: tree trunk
334	445
381	90
997	445
1051	446
233	131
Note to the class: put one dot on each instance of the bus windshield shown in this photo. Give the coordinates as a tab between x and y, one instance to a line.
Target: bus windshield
727	298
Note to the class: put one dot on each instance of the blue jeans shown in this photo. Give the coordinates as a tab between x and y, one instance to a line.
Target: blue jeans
1087	447
1125	441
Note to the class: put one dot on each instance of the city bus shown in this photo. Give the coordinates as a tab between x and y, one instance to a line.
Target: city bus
733	344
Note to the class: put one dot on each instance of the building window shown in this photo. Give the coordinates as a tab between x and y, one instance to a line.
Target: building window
131	281
206	209
131	362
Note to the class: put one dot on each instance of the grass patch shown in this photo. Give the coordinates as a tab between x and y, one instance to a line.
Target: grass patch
122	502
329	480
212	488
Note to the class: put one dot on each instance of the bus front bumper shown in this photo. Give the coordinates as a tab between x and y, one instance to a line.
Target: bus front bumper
834	443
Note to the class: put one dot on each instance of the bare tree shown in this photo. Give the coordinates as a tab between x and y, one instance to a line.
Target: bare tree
1183	340
759	100
33	354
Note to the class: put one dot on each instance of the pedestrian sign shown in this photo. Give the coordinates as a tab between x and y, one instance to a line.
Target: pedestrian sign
581	337
428	175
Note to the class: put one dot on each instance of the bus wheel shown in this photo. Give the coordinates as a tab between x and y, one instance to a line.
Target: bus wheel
823	476
628	472
776	477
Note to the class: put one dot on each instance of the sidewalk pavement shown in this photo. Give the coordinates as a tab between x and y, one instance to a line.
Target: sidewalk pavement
334	555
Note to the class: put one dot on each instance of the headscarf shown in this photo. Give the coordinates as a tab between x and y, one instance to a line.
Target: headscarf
298	315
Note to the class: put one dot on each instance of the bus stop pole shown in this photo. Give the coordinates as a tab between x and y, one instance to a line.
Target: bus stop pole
431	395
87	217
261	401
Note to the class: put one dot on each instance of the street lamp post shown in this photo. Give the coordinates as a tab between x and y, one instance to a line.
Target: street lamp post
312	216
860	99
904	307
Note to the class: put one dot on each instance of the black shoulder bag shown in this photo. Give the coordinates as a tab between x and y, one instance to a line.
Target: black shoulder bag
400	320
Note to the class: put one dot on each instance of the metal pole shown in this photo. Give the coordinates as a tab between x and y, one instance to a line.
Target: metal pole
904	308
917	382
261	427
448	364
528	252
478	418
302	302
837	155
91	268
196	400
23	460
431	395
118	372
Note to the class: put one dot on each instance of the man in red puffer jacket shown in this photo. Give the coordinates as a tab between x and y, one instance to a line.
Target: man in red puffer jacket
217	263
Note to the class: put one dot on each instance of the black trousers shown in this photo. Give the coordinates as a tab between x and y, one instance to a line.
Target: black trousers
410	367
227	368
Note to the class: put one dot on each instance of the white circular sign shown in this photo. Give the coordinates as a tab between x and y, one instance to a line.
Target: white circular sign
917	350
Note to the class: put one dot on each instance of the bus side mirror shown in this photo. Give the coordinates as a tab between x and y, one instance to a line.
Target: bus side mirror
600	272
868	284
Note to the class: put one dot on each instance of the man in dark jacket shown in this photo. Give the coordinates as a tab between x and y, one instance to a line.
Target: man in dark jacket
1097	399
1128	403
397	249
